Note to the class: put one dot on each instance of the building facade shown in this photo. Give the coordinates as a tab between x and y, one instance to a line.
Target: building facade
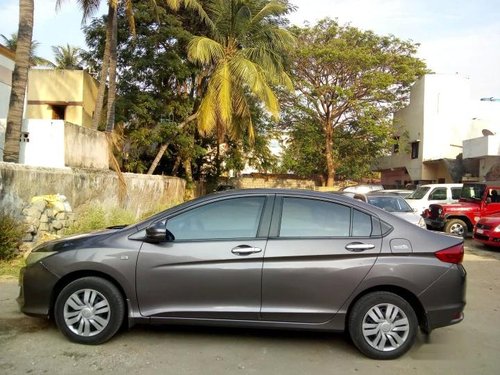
431	130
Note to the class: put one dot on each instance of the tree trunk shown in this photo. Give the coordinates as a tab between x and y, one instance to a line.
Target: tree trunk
330	164
110	122
158	157
96	118
19	82
164	146
189	193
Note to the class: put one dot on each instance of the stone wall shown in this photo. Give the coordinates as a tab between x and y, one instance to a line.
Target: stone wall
272	181
144	193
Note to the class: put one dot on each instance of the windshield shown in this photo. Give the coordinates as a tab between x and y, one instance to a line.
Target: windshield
419	193
390	204
472	191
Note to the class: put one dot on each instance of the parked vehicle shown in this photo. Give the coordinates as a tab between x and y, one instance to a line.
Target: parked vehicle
426	195
394	204
476	201
487	230
401	192
257	258
363	188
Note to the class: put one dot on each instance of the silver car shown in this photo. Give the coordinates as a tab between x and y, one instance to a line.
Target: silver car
255	258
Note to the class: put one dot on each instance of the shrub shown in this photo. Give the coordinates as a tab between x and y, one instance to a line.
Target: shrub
92	217
11	235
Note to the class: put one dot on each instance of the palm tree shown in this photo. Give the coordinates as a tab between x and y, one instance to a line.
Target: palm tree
243	56
11	43
19	81
67	57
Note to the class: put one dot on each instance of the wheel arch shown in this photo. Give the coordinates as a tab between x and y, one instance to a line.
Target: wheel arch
70	277
407	295
464	218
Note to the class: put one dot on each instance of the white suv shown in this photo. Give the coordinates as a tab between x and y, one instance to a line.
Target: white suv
425	195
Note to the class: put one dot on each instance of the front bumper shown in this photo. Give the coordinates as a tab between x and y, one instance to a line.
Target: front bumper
488	237
36	284
434	223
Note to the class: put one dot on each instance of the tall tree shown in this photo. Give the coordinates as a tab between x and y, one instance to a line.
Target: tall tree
241	56
11	43
67	57
19	81
347	78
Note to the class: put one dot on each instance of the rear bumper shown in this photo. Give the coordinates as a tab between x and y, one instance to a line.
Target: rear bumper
444	301
36	285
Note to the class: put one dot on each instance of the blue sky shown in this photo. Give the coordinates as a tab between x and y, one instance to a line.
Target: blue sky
455	36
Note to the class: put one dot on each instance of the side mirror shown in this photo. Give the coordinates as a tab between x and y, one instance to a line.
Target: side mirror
158	232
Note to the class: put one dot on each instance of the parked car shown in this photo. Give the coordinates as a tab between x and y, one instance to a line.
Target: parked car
401	192
394	204
425	195
363	188
257	258
478	199
487	230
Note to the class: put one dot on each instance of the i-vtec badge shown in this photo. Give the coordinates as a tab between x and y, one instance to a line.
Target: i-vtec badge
400	247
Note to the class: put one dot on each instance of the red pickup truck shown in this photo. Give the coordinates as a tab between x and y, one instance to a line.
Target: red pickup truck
477	199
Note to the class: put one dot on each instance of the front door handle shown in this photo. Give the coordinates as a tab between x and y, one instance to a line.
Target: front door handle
245	250
359	246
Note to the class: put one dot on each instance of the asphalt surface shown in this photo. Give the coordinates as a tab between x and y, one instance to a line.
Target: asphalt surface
34	346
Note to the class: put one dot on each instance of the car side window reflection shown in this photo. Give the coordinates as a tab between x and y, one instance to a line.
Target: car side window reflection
230	218
362	225
314	218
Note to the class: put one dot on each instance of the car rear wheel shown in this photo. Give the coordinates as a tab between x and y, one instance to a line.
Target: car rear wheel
383	325
456	227
89	310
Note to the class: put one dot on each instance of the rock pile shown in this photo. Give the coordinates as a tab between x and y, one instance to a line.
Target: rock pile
47	214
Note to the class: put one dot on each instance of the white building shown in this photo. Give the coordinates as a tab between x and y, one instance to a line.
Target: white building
432	130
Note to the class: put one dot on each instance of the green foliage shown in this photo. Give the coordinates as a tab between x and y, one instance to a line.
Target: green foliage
10	268
92	217
348	82
11	235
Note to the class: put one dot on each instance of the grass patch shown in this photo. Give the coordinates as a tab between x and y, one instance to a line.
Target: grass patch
9	269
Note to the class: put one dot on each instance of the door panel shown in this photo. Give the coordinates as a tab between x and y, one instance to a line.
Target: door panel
213	267
200	279
320	253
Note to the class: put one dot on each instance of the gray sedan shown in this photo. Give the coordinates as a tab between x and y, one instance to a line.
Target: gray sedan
255	258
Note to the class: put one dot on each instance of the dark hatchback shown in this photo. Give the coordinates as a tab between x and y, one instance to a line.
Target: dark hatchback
255	258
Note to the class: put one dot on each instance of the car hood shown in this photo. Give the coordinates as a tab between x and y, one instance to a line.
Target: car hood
76	241
490	220
459	207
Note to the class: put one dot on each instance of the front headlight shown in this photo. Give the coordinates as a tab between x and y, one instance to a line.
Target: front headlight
497	229
36	256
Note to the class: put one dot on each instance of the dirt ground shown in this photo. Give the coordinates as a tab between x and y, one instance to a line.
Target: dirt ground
34	346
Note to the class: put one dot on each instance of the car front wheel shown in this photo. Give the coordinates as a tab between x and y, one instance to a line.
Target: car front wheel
456	227
383	325
89	310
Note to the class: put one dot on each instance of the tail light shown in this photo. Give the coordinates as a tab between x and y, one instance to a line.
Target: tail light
453	254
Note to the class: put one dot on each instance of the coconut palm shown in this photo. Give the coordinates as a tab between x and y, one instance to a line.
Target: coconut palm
242	56
11	43
67	57
19	81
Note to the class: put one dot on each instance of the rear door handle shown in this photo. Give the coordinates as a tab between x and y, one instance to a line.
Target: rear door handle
359	246
245	250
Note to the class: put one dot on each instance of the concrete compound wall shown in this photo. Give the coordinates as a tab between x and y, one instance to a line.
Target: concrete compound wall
19	183
85	148
270	181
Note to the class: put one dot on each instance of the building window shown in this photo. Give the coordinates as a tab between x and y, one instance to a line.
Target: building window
414	149
58	112
395	147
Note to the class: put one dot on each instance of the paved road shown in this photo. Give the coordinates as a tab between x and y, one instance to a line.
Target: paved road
33	346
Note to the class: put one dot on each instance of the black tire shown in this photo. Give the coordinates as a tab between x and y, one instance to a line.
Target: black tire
89	310
387	337
456	227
